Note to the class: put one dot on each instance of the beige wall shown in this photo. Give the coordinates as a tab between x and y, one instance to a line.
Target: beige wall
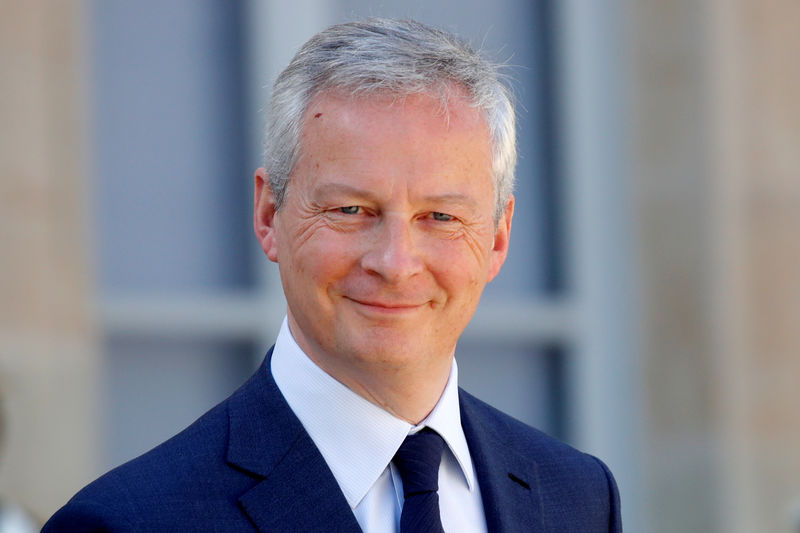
716	90
670	132
756	80
47	352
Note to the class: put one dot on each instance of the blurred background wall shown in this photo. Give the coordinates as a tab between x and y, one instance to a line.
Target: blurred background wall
49	356
648	312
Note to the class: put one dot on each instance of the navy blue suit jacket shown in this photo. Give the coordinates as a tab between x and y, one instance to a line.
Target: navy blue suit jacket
249	464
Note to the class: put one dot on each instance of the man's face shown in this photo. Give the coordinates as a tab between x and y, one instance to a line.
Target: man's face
386	238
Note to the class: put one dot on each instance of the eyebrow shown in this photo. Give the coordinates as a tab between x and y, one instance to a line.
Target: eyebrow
358	192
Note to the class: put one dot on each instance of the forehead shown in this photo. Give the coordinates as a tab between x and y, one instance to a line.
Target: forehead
424	122
447	105
441	125
384	144
379	146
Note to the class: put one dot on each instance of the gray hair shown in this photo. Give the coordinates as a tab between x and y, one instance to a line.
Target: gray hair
383	55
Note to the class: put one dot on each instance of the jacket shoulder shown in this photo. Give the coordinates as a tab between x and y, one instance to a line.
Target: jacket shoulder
163	486
570	481
522	438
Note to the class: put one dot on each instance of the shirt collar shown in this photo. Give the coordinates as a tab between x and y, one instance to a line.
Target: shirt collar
357	438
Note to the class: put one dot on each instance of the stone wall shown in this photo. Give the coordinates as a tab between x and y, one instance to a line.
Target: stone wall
48	357
716	127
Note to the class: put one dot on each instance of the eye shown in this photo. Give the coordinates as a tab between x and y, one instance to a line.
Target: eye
350	209
442	217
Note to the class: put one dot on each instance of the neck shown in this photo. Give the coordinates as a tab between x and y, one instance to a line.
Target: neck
408	394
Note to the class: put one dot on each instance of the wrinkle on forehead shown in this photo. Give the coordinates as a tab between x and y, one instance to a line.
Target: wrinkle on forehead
439	101
333	106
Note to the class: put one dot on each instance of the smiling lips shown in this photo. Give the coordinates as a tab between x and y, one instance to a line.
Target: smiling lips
387	307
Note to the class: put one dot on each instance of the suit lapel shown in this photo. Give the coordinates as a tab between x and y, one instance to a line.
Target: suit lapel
299	494
298	491
508	481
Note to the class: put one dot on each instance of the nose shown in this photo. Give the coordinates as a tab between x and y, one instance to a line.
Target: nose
392	252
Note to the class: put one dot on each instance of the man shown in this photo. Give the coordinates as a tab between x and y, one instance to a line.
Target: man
386	203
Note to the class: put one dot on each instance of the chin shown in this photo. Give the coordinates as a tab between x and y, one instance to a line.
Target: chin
394	353
388	354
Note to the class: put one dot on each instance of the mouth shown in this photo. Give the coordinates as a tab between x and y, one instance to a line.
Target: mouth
387	307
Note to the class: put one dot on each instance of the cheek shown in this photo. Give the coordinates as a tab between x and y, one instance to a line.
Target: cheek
459	266
322	260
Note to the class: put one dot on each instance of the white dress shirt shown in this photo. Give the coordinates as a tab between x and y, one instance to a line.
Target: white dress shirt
358	440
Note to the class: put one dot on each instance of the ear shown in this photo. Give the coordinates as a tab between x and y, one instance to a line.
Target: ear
502	235
264	215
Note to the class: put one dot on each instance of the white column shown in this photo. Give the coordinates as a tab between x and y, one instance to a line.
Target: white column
604	372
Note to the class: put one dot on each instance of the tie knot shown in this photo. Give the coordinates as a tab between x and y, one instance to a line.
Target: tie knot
418	460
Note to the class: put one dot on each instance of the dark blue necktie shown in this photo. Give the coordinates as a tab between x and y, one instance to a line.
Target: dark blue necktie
418	460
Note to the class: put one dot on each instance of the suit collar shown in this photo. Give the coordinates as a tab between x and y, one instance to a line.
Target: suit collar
356	437
509	481
297	491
